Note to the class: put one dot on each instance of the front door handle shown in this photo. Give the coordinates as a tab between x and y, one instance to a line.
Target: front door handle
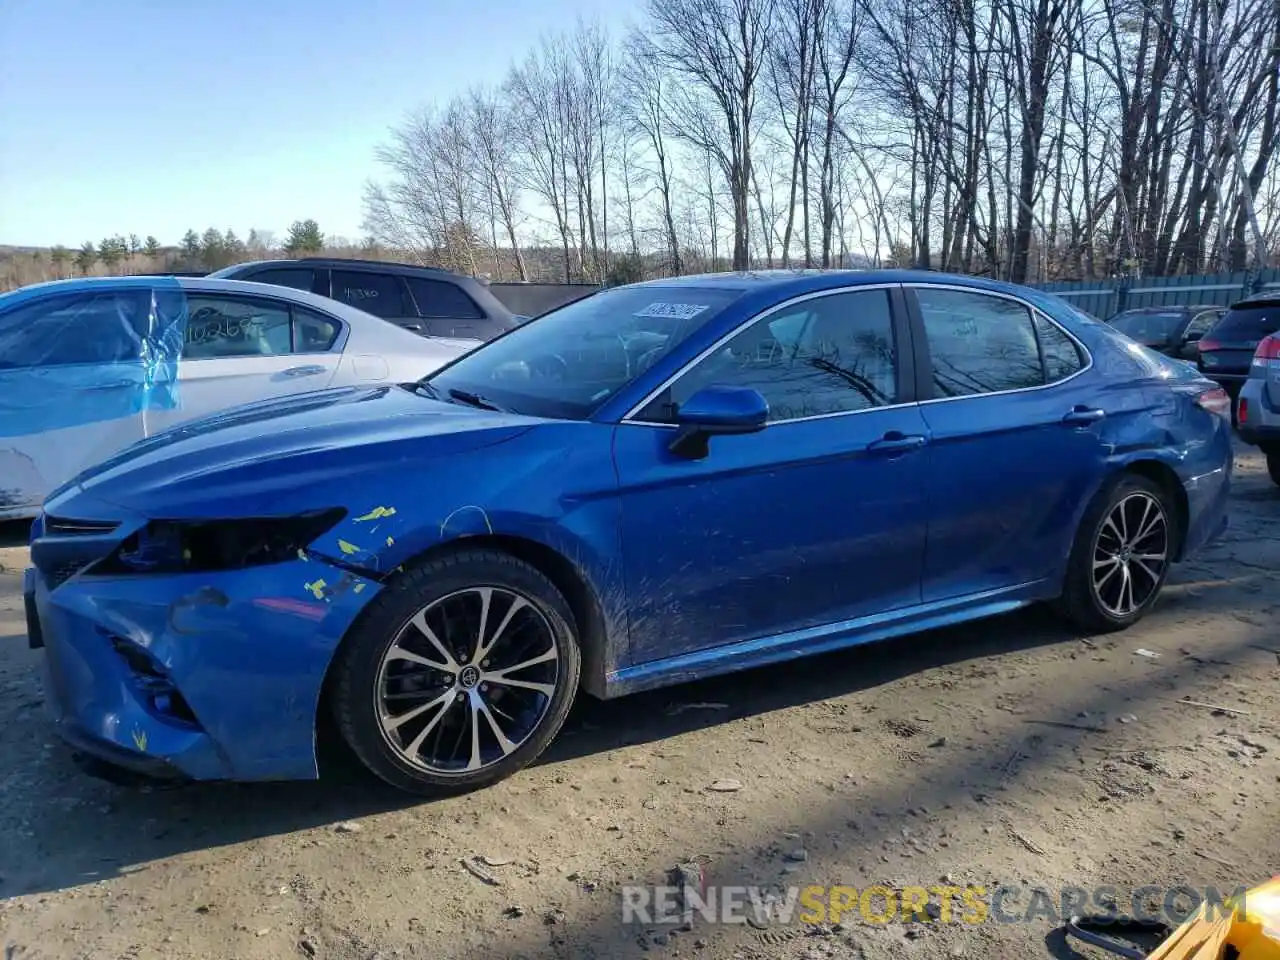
1083	416
307	371
896	442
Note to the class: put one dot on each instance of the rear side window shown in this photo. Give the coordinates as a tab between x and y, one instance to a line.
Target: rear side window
1062	357
979	343
299	278
378	293
1249	322
439	298
75	328
313	332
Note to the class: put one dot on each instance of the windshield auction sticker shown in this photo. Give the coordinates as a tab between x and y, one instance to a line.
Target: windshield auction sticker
676	311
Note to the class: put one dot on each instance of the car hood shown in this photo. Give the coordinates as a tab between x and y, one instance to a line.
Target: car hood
276	456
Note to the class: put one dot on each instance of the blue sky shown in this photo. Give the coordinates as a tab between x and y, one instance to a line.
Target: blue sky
128	116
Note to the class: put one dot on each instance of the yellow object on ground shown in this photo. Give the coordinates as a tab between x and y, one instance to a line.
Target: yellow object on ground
1252	928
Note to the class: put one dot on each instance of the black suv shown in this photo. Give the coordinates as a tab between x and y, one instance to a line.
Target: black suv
426	300
1226	351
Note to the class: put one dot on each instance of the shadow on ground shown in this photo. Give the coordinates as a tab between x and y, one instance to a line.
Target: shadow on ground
103	830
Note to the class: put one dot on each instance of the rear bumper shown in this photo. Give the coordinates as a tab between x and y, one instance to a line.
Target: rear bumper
1208	494
1261	424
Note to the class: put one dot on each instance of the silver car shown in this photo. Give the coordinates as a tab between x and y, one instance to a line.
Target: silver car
1258	407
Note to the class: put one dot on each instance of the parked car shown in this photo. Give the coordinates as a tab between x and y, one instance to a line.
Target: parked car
661	482
1258	409
1226	351
89	366
432	302
1173	331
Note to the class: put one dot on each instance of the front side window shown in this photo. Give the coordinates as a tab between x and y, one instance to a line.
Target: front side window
566	363
827	355
229	326
378	293
979	343
75	328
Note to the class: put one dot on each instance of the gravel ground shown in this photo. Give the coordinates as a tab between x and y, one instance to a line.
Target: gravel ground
1007	752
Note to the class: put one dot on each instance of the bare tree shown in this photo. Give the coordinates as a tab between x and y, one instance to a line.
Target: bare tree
493	141
541	93
717	48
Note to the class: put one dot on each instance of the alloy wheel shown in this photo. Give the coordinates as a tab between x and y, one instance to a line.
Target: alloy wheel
1130	554
468	680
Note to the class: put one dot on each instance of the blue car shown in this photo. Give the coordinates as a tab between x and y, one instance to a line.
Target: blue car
660	482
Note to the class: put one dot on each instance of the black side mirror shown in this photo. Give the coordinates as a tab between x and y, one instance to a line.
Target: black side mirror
717	411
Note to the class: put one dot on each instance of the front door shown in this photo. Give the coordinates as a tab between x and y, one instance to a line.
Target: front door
815	520
77	381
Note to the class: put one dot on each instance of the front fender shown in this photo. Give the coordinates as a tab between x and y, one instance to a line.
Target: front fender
554	487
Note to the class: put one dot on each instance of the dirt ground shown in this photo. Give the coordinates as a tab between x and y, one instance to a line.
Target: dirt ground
1008	752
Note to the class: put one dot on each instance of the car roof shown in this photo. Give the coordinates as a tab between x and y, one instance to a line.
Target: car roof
477	290
394	266
1265	299
794	282
1175	308
193	284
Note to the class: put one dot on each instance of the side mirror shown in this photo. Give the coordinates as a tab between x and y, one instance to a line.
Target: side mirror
717	411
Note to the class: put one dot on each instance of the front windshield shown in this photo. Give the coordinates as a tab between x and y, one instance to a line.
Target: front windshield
570	361
1147	326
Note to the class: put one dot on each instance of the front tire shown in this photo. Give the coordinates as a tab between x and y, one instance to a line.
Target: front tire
459	674
1121	556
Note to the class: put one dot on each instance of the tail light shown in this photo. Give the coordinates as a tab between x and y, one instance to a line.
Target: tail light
1216	400
1268	350
1207	344
1243	413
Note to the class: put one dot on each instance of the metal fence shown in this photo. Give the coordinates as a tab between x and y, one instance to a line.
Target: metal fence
1104	298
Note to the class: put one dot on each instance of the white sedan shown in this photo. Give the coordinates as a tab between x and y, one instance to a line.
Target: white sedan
89	366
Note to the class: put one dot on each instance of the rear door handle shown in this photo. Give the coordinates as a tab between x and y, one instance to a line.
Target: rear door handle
895	442
307	371
1083	416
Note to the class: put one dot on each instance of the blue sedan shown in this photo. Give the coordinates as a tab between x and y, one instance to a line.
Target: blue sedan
660	482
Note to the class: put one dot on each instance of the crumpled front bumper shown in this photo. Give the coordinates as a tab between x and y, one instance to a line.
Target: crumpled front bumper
204	676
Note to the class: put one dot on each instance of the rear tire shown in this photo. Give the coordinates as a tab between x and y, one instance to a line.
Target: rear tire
459	674
1121	556
1273	465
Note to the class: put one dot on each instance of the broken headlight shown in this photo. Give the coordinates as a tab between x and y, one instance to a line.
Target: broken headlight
194	546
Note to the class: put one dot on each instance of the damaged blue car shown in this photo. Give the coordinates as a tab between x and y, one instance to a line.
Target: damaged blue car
657	483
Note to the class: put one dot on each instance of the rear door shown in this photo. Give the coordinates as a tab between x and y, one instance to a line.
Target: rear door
1015	440
377	292
239	348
